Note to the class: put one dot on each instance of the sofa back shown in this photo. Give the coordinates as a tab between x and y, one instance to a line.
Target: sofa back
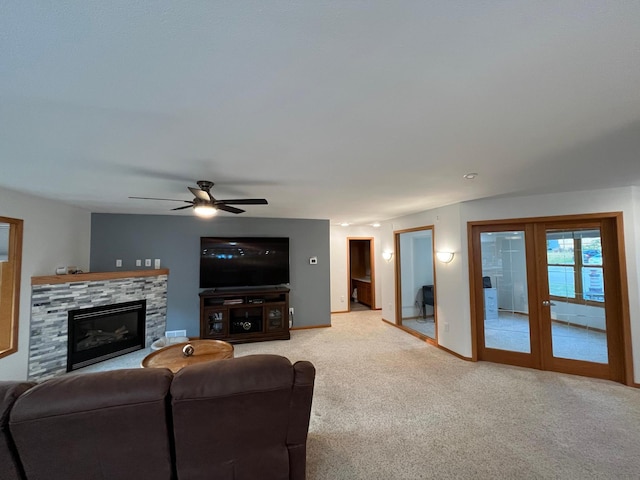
242	419
104	425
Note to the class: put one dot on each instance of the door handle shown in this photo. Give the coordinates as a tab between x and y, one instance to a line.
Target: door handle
546	303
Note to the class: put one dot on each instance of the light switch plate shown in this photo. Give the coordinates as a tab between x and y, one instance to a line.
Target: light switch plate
147	262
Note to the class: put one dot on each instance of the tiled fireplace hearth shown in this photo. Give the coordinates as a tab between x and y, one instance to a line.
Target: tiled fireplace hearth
53	297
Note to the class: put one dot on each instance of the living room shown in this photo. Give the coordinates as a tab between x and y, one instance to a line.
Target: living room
335	113
83	231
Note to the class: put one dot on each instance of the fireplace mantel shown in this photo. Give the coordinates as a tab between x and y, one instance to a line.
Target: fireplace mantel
96	276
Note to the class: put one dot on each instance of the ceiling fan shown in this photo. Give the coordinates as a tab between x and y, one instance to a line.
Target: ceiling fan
205	205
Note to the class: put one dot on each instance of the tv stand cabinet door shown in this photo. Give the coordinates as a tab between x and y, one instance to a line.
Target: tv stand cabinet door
215	323
275	317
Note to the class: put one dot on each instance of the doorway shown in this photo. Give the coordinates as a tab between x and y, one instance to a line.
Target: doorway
415	282
551	294
361	272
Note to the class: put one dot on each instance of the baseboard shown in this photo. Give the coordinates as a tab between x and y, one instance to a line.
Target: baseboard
340	311
309	327
451	352
428	340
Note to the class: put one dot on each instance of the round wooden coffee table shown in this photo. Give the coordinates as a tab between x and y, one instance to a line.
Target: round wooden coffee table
173	357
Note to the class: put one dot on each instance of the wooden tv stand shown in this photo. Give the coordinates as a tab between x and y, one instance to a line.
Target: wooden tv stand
245	314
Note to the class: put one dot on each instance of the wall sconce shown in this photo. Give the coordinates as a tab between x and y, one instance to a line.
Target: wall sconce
444	257
387	255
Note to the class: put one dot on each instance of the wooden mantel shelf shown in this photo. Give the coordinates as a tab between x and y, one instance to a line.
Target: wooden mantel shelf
90	277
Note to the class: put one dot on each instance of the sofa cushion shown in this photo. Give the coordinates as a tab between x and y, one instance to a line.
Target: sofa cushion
231	419
9	392
102	425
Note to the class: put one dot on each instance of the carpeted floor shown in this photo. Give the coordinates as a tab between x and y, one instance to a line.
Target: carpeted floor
389	406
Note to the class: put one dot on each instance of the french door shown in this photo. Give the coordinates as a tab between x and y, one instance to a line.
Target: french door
550	294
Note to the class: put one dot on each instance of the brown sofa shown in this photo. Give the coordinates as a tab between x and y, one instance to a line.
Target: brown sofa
242	418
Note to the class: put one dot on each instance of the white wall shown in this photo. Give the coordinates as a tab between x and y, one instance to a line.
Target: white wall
451	299
339	268
450	233
54	234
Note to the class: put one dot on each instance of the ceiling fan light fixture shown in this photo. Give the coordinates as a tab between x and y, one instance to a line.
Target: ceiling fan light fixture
205	211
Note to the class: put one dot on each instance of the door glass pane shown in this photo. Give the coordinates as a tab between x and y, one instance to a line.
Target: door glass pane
578	327
506	303
417	308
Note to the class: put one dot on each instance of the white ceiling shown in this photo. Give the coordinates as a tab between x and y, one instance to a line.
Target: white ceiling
353	111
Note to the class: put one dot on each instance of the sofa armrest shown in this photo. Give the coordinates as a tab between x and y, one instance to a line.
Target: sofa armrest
300	413
9	393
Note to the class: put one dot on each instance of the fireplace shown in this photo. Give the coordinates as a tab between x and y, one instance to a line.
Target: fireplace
99	333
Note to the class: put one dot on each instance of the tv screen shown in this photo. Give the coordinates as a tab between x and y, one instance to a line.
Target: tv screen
243	261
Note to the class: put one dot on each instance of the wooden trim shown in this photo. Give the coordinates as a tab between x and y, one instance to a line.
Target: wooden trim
553	219
473	252
427	340
398	276
310	327
451	352
625	315
91	277
371	267
339	312
414	229
9	326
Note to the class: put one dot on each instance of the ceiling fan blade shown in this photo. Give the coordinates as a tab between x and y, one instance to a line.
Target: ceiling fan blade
167	199
245	201
182	208
201	194
227	208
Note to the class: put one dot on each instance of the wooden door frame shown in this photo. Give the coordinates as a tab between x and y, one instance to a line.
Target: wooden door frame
398	281
528	360
373	270
612	227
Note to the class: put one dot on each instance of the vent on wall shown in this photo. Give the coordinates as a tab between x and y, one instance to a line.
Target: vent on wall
175	333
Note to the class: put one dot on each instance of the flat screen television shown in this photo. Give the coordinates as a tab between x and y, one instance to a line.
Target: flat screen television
243	261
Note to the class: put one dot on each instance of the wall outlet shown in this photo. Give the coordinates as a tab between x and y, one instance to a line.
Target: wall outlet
313	261
156	263
175	333
342	299
138	263
446	326
147	262
291	311
118	263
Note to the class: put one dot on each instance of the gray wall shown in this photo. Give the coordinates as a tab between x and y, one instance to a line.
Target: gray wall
175	240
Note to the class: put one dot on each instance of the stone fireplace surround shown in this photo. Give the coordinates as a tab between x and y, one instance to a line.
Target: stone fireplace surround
53	296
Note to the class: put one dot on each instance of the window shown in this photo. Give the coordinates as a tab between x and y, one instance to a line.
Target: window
10	264
574	264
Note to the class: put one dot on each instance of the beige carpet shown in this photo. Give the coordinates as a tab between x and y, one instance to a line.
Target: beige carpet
388	406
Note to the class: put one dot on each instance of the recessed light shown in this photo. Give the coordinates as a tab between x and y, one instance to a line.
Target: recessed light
345	224
376	225
470	176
